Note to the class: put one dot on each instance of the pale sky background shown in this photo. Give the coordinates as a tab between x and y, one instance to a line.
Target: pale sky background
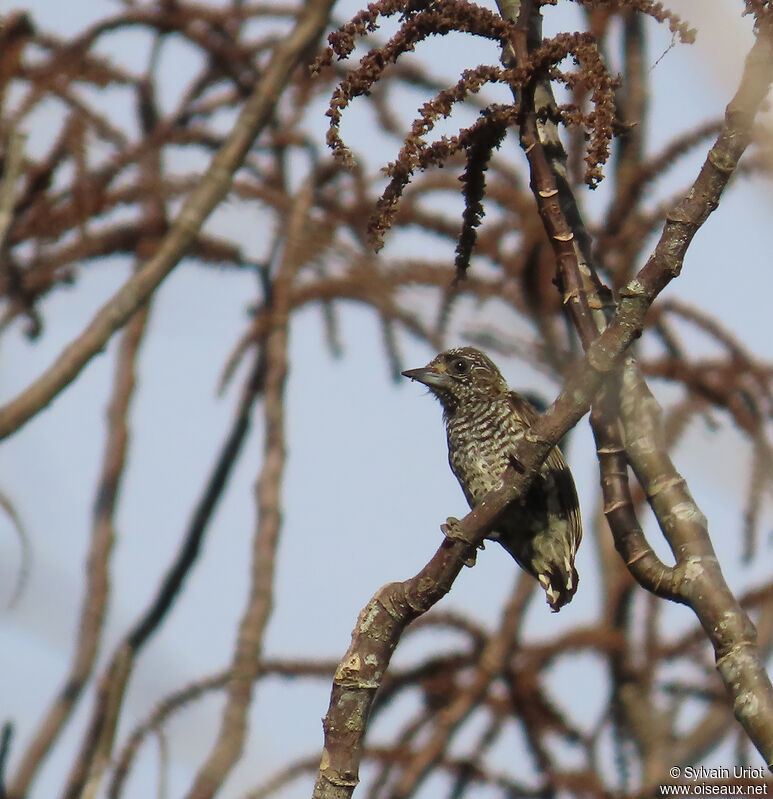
355	439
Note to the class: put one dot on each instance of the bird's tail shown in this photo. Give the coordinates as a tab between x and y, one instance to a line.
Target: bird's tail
559	579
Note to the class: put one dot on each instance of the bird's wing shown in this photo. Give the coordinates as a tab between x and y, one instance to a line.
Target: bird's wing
523	409
555	463
567	493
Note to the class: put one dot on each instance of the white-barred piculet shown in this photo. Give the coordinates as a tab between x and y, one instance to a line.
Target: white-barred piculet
484	419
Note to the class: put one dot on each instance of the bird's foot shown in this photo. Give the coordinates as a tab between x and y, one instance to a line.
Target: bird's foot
453	529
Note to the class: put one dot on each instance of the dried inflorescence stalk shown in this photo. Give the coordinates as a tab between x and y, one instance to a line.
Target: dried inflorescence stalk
420	21
477	141
657	11
489	131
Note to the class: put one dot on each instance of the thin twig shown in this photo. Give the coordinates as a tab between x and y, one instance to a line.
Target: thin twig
96	590
12	164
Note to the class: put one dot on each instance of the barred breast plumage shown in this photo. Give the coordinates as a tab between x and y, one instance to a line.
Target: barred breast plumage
484	419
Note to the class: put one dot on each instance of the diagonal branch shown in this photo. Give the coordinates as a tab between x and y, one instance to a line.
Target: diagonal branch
212	188
700	581
697	572
384	619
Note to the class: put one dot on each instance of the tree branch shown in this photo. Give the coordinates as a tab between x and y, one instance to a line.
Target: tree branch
212	188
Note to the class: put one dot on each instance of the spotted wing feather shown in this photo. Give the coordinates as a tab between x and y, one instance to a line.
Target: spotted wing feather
544	531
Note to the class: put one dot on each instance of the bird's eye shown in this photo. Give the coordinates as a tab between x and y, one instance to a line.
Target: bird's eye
460	366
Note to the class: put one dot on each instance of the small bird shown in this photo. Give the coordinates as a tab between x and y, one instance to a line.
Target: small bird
484	419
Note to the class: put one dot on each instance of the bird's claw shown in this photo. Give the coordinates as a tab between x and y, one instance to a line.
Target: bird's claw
452	530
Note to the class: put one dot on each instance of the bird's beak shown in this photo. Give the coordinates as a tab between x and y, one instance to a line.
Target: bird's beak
431	377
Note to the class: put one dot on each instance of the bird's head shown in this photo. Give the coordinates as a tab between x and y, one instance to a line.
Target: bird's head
461	376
